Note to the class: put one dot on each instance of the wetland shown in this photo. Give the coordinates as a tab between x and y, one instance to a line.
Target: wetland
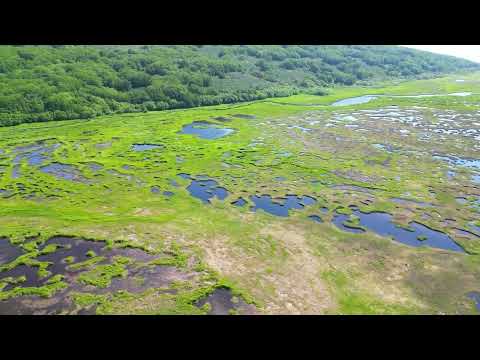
361	201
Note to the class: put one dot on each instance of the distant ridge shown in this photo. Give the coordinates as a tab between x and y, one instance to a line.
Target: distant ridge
42	83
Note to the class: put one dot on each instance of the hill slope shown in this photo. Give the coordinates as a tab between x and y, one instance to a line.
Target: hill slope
41	83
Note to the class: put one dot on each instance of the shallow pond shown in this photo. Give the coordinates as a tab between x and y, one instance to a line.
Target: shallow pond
144	147
381	224
475	296
474	228
266	203
355	100
316	218
240	202
366	98
16	173
206	190
340	221
205	130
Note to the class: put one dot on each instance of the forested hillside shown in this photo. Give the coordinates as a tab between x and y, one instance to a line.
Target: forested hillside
42	83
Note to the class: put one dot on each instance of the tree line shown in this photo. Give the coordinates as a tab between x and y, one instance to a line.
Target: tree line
42	83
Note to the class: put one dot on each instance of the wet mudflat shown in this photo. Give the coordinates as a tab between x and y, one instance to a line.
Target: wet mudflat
95	166
352	188
72	259
403	201
206	130
222	118
472	164
244	116
458	161
35	154
63	171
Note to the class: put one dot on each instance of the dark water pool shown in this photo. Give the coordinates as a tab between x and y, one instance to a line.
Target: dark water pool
8	252
222	302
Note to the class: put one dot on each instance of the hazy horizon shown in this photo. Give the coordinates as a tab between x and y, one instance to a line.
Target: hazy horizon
469	52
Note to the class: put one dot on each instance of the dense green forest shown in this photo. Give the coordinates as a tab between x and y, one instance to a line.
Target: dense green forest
42	83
